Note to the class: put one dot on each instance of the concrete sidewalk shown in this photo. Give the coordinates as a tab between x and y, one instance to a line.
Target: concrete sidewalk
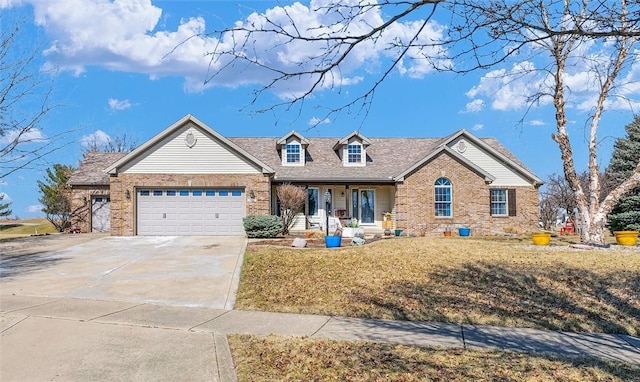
77	339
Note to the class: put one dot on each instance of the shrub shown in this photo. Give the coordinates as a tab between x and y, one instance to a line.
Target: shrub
292	200
262	226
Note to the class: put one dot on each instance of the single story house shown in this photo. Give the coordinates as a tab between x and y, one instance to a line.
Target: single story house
191	180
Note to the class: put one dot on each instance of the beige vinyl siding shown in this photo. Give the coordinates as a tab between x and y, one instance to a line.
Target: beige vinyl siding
299	224
173	156
505	176
383	203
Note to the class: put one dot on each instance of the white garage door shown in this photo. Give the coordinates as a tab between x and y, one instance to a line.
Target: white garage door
100	214
190	211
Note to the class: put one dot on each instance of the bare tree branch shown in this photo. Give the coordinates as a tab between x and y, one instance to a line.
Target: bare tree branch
480	35
25	101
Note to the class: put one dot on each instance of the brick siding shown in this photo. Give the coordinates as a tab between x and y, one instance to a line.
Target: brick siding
415	204
123	216
81	204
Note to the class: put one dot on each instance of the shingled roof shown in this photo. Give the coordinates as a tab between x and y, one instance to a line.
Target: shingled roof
90	172
386	159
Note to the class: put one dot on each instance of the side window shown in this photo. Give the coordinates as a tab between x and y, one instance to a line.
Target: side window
503	202
312	196
443	197
498	202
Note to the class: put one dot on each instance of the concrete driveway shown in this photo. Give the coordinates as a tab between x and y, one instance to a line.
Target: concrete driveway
192	271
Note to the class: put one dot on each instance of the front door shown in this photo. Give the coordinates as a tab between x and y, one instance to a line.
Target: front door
363	205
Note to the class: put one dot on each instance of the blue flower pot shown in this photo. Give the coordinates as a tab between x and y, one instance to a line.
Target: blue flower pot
464	231
332	241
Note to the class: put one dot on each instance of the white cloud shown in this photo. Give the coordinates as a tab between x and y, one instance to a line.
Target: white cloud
119	105
98	138
474	106
537	122
34	208
31	135
317	121
512	89
6	197
127	35
518	87
3	183
477	127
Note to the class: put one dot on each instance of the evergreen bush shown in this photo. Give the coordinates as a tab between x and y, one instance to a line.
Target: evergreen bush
625	215
262	226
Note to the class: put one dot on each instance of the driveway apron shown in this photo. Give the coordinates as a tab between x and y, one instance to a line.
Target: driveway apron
191	271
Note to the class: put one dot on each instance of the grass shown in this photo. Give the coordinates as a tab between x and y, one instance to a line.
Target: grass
296	359
504	282
14	228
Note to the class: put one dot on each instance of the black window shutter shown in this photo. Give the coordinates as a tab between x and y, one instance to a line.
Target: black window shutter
511	195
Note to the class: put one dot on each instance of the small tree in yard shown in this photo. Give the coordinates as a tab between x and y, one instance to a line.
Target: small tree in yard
626	154
4	208
291	202
55	196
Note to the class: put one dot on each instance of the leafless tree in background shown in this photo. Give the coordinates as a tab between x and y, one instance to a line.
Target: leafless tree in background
25	100
119	144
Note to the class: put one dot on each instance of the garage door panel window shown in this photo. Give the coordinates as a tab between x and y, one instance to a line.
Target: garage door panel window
157	192
144	192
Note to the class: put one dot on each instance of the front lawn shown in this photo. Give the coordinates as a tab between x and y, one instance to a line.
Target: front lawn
302	359
504	282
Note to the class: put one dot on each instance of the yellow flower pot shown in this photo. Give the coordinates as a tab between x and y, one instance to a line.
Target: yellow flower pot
541	238
629	238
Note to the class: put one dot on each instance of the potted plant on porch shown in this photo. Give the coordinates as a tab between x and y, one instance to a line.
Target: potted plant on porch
352	229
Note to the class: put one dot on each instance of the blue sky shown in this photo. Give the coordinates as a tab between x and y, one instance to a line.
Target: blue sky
115	76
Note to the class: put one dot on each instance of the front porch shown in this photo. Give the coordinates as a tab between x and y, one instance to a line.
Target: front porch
370	207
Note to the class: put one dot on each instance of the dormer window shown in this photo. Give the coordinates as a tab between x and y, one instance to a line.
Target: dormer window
352	149
292	148
292	153
354	153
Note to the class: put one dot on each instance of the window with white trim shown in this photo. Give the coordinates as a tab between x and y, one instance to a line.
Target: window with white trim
499	202
503	202
354	153
292	153
443	198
